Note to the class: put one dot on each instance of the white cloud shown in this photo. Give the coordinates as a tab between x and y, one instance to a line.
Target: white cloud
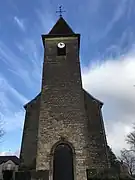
30	48
5	153
11	60
9	153
46	21
20	23
13	121
113	83
118	13
11	115
7	90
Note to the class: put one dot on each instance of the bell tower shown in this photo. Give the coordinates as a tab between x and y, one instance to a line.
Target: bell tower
62	119
61	59
63	143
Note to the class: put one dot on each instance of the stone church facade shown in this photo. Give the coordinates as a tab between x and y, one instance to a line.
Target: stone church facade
63	130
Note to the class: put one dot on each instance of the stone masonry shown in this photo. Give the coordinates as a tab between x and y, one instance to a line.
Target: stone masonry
63	112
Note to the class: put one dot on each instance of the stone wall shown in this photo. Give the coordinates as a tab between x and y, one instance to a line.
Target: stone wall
29	140
62	111
98	142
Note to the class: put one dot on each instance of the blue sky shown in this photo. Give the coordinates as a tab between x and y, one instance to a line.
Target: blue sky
107	31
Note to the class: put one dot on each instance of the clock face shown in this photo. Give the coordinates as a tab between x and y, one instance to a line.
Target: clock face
61	45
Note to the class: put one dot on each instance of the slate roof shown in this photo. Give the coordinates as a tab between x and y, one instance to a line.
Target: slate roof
92	98
61	28
4	159
33	100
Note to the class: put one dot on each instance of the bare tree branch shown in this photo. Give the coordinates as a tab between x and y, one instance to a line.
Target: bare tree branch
131	138
128	157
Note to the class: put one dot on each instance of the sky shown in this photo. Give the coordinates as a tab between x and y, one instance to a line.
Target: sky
107	56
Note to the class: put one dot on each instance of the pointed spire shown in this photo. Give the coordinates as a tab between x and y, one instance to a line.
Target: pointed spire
61	28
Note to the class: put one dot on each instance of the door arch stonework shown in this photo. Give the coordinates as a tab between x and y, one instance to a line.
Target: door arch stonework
62	154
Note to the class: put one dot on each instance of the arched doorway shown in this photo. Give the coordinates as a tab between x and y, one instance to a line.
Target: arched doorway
63	163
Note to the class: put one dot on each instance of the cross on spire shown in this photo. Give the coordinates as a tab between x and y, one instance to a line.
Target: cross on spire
60	11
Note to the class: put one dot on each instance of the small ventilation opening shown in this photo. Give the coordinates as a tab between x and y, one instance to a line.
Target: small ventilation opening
61	51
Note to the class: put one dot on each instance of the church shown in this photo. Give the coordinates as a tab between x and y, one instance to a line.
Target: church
64	134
